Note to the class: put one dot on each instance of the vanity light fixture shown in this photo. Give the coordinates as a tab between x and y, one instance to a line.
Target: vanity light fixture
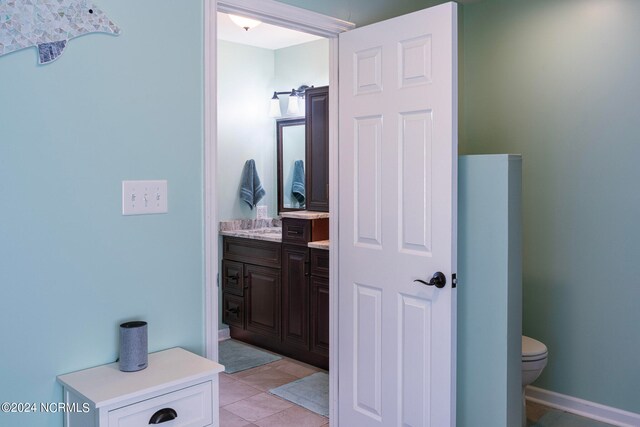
292	102
246	23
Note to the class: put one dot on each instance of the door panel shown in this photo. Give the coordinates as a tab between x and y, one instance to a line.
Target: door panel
415	360
295	301
263	300
397	180
415	192
367	186
367	342
320	315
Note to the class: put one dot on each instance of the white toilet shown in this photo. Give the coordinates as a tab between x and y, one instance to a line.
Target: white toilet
534	359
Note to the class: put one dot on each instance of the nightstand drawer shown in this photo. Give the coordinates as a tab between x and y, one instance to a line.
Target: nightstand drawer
190	406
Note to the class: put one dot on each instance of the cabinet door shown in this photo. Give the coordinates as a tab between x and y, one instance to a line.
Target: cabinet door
317	148
320	315
262	299
295	301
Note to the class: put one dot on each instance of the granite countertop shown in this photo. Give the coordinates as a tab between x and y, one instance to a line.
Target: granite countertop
267	229
304	215
271	234
320	244
258	229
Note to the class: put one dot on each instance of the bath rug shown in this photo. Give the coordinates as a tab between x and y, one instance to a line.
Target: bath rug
565	419
236	356
310	392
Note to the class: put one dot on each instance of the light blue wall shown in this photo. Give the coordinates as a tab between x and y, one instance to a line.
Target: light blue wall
247	78
558	82
71	266
489	291
303	64
245	130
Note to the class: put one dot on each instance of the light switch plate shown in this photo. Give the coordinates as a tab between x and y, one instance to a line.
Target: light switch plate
144	197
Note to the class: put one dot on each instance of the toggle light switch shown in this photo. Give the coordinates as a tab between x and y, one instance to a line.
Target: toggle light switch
144	197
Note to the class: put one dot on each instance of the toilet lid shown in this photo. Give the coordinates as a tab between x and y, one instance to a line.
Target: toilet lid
531	347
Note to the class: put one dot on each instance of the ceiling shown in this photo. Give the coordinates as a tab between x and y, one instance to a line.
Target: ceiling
265	35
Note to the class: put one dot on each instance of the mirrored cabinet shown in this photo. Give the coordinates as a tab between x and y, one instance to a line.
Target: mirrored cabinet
303	156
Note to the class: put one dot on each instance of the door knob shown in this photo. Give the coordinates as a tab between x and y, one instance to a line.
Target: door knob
438	280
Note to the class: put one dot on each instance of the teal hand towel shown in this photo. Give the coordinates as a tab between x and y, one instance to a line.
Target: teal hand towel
297	186
251	190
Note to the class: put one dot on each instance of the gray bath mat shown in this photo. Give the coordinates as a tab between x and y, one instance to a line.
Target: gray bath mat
236	356
311	392
565	419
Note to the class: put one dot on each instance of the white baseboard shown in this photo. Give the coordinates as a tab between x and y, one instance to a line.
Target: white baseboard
584	408
223	334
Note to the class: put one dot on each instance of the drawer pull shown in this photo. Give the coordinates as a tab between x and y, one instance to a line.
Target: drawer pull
163	415
234	278
234	310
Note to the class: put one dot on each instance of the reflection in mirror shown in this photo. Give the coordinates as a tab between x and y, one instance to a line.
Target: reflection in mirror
291	157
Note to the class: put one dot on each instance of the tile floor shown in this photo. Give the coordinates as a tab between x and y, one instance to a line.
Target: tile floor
535	411
245	400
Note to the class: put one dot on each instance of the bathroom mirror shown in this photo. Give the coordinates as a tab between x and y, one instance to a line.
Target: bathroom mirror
291	164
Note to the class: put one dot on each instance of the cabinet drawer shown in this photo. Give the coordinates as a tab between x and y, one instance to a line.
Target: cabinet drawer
232	310
319	262
232	277
192	405
296	231
250	251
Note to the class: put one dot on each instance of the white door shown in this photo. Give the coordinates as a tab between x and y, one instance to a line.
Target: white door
397	178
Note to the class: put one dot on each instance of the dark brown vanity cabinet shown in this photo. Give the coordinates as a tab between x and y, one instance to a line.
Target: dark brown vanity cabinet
276	295
251	282
317	148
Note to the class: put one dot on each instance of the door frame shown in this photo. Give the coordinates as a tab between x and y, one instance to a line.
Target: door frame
295	18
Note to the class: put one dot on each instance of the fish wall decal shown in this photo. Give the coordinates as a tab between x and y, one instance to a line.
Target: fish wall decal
49	25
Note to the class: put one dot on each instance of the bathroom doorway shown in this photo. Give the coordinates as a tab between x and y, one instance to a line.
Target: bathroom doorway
263	74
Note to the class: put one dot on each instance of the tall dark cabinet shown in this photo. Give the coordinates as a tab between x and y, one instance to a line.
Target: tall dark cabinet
319	302
317	149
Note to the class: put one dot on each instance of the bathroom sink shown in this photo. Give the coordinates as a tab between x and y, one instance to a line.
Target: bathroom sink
267	230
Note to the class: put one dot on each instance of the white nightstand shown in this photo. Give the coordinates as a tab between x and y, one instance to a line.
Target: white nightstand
178	388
